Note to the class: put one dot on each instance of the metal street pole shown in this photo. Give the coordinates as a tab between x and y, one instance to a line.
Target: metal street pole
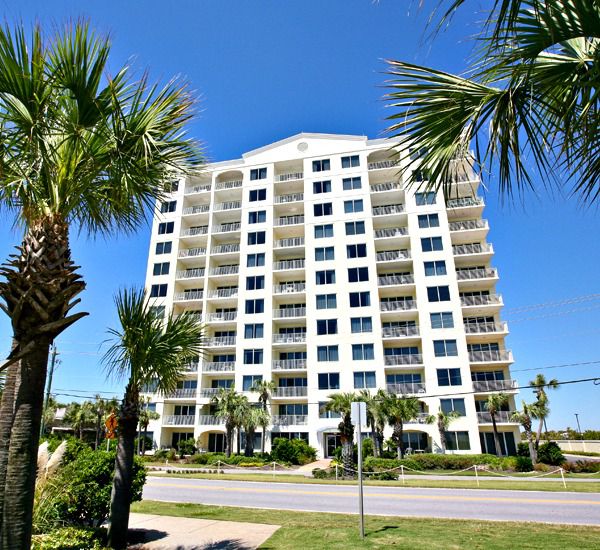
48	386
578	426
360	477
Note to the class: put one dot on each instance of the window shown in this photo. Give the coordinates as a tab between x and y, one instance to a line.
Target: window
435	268
326	277
327	353
293	409
257	217
429	244
350	162
361	324
428	220
164	248
249	381
253	356
172	186
449	377
355	228
357	274
360	299
362	352
326	326
324	253
165	228
326	301
258	195
161	269
364	380
321	187
257	237
323	209
258	174
445	348
351	183
453	405
255	306
324	413
254	330
158	291
321	165
322	231
457	441
356	250
353	206
255	260
438	293
158	311
256	282
442	320
168	206
425	198
329	380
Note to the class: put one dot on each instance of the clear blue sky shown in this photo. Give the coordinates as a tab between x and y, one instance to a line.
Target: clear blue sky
266	70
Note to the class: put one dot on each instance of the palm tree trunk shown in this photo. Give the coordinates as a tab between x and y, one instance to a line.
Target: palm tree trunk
144	439
249	449
262	440
496	438
532	451
374	440
538	435
401	440
229	441
347	455
239	441
441	429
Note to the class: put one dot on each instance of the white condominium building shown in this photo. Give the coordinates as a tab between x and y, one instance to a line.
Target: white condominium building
313	266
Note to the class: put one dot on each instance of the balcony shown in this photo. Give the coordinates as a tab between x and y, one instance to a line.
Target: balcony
485	300
468	225
179	420
191	252
194	189
218	366
391	232
400	332
491	356
288	264
293	242
288	220
195	273
388	210
464	202
398	305
230	205
220	342
502	417
290	176
209	420
395	280
208	392
182	393
223	293
191	366
386	186
289	420
217	317
289	288
291	391
286	313
195	231
382	164
486	328
407	388
291	197
290	338
188	296
232	184
408	359
494	385
227	227
225	270
474	274
289	364
225	249
198	209
392	255
470	249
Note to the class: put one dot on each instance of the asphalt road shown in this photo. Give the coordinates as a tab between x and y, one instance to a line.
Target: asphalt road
538	506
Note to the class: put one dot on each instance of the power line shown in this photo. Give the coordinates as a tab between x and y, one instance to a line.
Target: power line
543	305
584	363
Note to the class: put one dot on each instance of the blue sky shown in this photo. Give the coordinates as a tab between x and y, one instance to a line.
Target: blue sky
265	70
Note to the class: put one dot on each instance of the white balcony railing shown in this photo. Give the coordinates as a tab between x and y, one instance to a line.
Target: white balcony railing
192	366
484	300
389	280
195	273
225	248
485	417
406	388
398	305
491	356
494	385
289	220
468	225
382	164
484	328
208	392
289	288
289	364
198	189
182	393
221	316
230	205
400	332
392	255
227	227
289	243
292	197
289	420
390	232
475	248
290	338
291	391
232	184
220	341
195	231
284	313
291	176
225	270
289	264
386	186
421	418
192	252
198	209
218	366
209	420
223	293
179	420
464	202
407	359
188	295
388	209
479	273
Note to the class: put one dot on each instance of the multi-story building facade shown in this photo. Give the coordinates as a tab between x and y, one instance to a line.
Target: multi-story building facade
312	265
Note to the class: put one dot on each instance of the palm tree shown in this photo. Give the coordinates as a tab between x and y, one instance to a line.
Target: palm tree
399	410
525	417
528	100
494	404
80	416
82	150
265	389
541	385
253	418
146	350
376	418
146	415
227	405
342	403
443	421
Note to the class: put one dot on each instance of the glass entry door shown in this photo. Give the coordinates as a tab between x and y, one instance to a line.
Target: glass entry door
332	441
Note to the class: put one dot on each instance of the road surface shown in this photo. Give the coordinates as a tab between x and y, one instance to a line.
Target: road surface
501	505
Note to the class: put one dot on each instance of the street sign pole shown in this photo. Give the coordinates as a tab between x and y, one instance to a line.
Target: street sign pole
358	411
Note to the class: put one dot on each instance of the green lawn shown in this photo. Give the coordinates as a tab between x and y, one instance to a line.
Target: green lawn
318	531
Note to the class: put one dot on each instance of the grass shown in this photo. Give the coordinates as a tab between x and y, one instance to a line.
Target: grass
580	453
462	483
316	531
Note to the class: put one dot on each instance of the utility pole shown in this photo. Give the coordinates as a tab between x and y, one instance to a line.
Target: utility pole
578	426
49	385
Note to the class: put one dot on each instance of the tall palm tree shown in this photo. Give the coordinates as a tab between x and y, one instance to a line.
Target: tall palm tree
399	410
528	100
376	418
253	418
541	385
145	350
78	149
228	404
342	403
494	404
525	417
80	416
265	389
442	420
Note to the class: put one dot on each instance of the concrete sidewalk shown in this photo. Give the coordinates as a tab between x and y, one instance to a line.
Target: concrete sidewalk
155	532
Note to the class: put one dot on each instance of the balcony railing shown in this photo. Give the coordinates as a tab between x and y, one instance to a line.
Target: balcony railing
220	341
230	205
223	292
198	209
475	248
225	270
382	164
490	356
289	312
194	231
291	391
192	366
464	201
289	264
400	332
290	420
479	273
189	295
485	300
224	316
233	184
392	255
208	392
292	197
209	420
290	338
406	388
288	243
182	393
388	209
484	328
225	248
227	227
179	420
421	418
408	359
501	416
198	189
218	366
467	225
190	273
390	232
389	280
494	385
291	176
289	288
398	305
289	220
192	252
289	364
386	186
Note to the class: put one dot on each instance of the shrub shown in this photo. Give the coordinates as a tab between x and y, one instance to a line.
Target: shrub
523	449
582	466
367	447
294	451
523	464
433	462
550	453
328	473
198	459
540	467
69	538
186	447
